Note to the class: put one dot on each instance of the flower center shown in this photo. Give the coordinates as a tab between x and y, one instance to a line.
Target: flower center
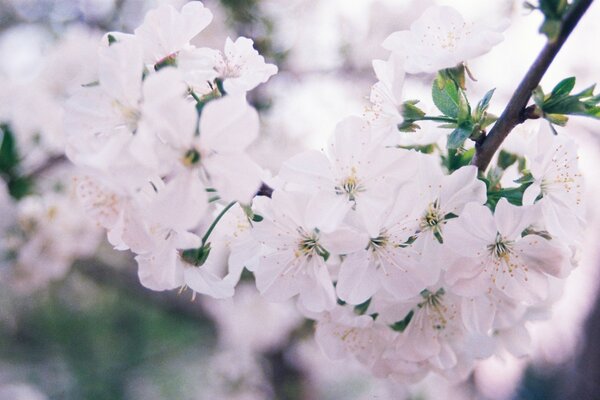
130	115
379	242
433	302
501	248
432	218
350	186
309	245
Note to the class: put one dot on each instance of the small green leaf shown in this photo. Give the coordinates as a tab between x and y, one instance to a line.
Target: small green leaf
484	103
506	159
401	326
196	257
111	39
538	96
558	119
446	98
9	156
411	112
458	137
564	87
362	308
551	28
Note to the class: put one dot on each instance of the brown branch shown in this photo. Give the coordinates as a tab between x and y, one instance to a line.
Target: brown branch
50	163
513	114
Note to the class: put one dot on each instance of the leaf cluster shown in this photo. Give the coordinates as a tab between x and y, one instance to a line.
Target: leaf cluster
556	105
18	184
449	96
554	11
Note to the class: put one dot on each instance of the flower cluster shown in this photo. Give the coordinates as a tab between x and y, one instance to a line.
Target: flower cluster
408	260
160	139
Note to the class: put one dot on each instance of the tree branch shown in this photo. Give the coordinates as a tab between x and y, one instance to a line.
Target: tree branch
513	114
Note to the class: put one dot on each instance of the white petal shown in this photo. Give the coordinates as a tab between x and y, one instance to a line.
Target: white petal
228	125
236	177
357	279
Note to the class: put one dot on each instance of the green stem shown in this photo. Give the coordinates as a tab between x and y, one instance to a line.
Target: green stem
216	221
195	96
437	119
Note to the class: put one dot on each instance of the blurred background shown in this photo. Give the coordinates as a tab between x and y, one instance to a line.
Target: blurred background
76	324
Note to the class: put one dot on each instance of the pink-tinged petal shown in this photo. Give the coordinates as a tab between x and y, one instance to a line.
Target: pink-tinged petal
120	69
343	241
460	188
357	279
236	177
445	359
402	276
529	286
310	169
420	342
478	313
317	294
396	42
372	209
347	143
181	204
204	282
468	276
160	271
281	275
228	125
531	193
198	68
165	31
512	220
548	256
167	114
463	238
517	340
326	211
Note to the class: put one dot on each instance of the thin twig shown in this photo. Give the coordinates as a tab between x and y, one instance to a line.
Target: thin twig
513	113
47	166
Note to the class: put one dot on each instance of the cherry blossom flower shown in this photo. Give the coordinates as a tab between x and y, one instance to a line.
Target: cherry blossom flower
557	185
294	262
441	38
495	254
356	173
241	67
165	31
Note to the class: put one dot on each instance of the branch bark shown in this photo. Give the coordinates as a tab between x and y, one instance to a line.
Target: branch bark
513	114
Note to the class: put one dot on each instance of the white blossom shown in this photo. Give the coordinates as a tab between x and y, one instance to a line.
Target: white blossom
442	38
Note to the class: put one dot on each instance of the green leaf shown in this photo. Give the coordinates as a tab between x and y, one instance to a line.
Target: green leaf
410	111
111	39
564	87
551	28
557	119
538	97
446	98
362	308
401	326
196	257
455	159
458	137
526	178
9	156
484	103
506	159
19	186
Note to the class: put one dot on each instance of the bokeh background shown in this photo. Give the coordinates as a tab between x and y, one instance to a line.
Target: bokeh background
93	332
